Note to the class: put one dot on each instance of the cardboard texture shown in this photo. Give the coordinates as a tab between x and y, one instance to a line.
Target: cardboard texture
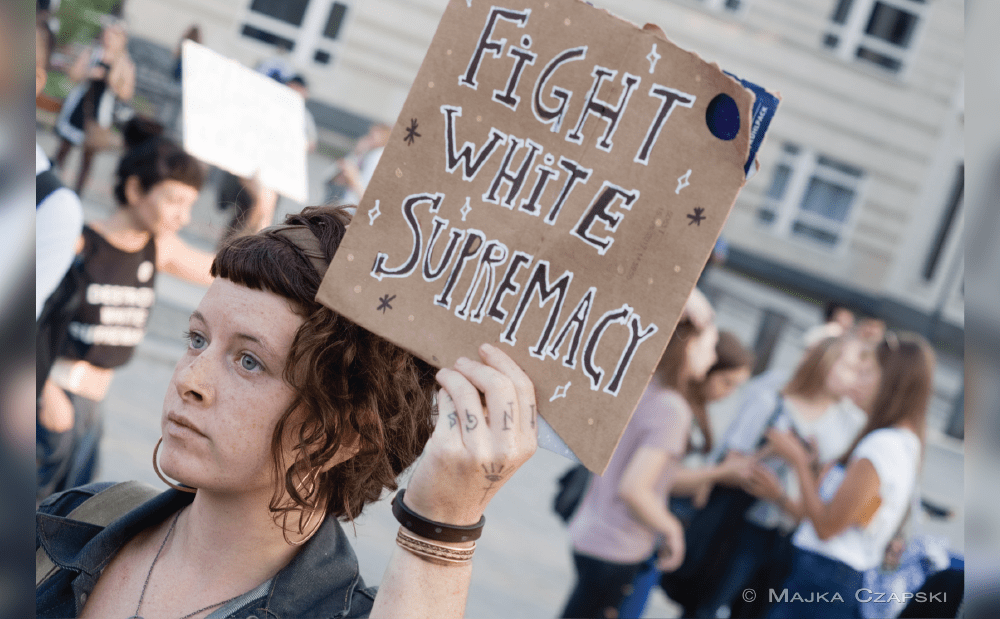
553	186
243	122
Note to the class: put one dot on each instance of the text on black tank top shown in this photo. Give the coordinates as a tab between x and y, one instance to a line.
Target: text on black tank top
118	296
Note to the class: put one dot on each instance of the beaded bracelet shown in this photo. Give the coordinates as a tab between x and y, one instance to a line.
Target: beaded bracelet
434	553
437	531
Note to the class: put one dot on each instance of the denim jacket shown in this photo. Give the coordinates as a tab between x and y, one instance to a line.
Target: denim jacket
322	581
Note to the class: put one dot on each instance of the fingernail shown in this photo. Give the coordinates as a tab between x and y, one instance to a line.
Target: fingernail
487	348
462	361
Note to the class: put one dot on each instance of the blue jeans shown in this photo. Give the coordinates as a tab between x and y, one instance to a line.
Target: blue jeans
68	459
635	603
600	586
814	575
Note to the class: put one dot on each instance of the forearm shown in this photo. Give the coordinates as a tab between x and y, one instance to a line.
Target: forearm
810	504
184	261
688	481
650	510
412	587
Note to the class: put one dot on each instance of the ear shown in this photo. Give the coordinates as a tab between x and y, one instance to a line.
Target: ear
133	190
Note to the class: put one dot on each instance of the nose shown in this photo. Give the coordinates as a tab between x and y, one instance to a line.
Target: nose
193	379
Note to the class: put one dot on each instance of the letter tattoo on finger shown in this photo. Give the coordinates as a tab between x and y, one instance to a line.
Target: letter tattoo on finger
508	417
452	420
534	413
472	421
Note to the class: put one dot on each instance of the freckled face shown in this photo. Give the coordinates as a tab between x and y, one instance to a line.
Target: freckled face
227	392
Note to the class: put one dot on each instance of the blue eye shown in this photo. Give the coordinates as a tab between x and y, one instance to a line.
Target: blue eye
248	363
195	340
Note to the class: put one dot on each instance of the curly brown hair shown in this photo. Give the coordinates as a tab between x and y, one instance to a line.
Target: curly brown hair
352	387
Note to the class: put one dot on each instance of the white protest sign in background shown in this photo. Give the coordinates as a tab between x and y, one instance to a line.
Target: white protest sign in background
243	122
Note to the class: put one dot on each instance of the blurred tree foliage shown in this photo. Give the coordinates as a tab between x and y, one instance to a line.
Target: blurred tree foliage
80	20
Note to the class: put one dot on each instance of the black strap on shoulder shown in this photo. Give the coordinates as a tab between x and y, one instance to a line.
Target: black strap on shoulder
773	419
46	183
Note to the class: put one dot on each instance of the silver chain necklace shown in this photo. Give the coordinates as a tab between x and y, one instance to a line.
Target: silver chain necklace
150	573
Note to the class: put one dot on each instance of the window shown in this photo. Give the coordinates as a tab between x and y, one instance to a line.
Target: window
811	196
309	29
881	33
288	11
731	6
334	21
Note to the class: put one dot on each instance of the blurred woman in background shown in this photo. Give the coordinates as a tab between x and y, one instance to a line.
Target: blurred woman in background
623	516
852	510
116	265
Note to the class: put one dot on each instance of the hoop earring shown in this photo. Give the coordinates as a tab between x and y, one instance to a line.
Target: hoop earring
156	467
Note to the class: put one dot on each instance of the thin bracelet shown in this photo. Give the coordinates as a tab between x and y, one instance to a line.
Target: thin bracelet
437	531
434	553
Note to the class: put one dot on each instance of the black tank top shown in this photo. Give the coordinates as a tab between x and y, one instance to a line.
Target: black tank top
118	296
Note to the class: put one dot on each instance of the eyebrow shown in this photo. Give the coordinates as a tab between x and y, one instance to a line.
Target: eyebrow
243	336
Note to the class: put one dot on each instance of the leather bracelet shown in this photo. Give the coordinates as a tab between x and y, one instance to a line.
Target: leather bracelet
437	531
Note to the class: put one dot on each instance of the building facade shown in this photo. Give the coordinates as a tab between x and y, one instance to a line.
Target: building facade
859	197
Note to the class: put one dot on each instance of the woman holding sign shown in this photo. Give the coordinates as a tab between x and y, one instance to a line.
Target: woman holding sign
624	513
282	418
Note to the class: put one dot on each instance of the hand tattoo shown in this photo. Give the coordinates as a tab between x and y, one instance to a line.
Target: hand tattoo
534	413
473	422
452	420
508	417
493	476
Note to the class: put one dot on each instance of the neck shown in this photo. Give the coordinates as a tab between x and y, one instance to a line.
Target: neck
814	406
123	231
906	424
233	530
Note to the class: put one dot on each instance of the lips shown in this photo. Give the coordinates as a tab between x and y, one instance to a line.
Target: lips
178	420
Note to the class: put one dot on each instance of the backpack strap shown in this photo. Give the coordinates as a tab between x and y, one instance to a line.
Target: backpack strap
101	509
46	183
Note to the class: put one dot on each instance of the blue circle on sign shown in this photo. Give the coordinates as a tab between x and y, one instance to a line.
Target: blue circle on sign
723	117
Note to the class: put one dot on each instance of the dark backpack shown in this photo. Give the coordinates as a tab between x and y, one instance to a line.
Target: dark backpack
572	486
52	325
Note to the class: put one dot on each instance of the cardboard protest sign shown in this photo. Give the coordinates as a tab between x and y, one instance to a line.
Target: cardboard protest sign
243	122
555	184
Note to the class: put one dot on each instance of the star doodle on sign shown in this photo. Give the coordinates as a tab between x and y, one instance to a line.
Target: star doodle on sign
652	57
373	214
411	132
384	303
560	391
697	217
683	181
466	209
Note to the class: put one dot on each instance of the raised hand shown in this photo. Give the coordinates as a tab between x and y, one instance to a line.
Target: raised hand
474	449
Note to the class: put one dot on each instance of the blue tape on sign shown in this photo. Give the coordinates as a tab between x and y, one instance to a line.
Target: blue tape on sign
764	108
